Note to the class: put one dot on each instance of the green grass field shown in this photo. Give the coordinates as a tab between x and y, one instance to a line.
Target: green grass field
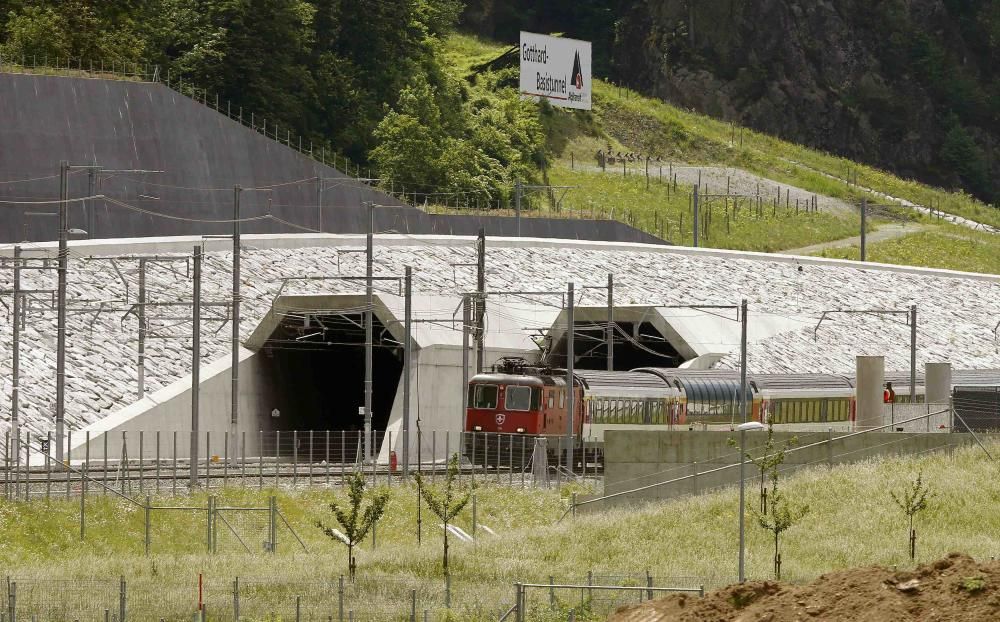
852	521
949	247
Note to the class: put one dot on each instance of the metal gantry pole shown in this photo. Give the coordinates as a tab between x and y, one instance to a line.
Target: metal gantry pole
235	372
16	362
91	216
195	366
466	319
743	361
61	308
480	300
743	419
407	354
913	356
142	328
369	257
570	356
611	322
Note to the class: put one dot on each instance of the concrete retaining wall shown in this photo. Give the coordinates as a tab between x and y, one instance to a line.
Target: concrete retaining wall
634	459
200	154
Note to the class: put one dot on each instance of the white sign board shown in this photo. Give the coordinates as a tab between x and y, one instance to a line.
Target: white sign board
556	69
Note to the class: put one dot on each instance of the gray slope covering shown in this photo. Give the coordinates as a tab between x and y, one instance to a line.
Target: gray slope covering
202	154
956	321
910	85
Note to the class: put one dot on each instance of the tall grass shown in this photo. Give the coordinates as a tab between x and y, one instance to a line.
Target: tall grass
852	522
950	247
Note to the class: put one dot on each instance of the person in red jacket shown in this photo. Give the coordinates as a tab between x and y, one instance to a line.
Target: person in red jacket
888	396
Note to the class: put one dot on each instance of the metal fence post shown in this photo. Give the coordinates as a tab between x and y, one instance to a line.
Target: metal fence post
298	609
12	601
83	503
122	600
147	521
829	447
413	605
340	600
273	511
157	460
552	592
649	584
174	450
236	599
518	613
447	591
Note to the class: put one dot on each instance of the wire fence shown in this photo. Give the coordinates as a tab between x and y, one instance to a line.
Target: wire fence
375	597
143	463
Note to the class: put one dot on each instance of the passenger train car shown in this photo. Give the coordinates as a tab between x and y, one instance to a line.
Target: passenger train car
521	399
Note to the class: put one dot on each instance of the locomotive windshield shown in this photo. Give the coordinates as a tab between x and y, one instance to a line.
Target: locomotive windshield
518	398
484	396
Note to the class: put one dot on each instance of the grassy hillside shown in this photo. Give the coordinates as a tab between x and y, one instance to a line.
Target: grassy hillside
629	122
852	521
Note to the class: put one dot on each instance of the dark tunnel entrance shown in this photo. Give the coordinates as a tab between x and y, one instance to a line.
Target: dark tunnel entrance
316	371
636	344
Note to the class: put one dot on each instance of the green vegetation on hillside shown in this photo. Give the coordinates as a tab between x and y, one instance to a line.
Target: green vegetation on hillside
910	85
951	248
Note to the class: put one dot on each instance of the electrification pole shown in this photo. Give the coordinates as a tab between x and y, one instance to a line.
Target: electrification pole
235	372
611	322
61	309
142	327
369	252
407	354
480	300
913	355
16	363
466	320
570	356
195	365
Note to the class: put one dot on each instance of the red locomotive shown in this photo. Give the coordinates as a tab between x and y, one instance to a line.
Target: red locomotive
517	398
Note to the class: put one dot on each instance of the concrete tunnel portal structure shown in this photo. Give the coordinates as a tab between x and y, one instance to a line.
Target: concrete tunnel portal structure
314	378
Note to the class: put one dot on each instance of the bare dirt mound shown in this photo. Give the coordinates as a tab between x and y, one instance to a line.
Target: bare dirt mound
954	588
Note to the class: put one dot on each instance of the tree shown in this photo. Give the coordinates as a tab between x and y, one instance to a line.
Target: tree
783	516
912	500
442	501
769	460
356	522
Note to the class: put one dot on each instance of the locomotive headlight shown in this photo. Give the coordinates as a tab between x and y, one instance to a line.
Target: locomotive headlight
520	430
477	428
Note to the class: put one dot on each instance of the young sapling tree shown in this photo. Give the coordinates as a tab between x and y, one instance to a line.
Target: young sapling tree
443	502
912	500
355	521
783	516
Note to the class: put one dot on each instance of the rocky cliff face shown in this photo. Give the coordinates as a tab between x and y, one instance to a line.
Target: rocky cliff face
908	85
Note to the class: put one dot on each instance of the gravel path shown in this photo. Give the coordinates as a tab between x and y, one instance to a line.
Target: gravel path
885	232
719	178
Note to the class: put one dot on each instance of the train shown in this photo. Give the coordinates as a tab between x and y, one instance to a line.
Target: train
517	398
